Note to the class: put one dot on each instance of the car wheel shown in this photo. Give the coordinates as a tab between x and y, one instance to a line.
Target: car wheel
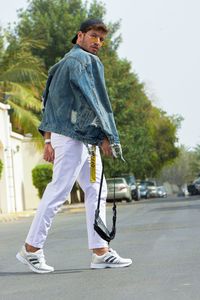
129	199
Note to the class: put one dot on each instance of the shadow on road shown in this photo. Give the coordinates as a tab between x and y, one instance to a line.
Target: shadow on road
57	272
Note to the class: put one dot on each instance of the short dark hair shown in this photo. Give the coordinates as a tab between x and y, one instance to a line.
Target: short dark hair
100	27
89	24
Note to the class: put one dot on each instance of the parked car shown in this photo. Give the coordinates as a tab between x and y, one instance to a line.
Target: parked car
135	192
194	188
120	188
152	191
151	186
161	192
144	191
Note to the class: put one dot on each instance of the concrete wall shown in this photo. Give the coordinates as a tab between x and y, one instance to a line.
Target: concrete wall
7	201
3	189
19	157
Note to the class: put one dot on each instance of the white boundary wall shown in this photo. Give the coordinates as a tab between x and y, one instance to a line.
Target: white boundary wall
19	157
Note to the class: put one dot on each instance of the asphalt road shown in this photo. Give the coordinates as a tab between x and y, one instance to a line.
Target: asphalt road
160	235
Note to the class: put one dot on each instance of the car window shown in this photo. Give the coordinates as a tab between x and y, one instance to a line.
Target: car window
116	181
148	183
143	187
129	179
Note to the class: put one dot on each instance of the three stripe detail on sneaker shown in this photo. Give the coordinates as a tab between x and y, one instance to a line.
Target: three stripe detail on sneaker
34	261
111	259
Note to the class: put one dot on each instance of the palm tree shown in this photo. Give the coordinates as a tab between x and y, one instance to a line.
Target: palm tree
21	81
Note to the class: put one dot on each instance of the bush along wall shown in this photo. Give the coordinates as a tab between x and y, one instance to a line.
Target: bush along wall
41	176
1	168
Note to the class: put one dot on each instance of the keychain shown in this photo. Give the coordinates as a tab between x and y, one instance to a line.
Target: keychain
93	164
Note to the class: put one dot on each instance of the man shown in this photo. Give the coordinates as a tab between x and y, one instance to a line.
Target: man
77	115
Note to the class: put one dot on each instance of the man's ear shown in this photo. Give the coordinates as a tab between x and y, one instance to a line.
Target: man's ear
80	35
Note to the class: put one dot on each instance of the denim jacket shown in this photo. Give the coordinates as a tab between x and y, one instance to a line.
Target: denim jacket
76	100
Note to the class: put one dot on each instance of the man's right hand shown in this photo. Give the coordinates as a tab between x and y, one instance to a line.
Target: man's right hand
105	147
48	153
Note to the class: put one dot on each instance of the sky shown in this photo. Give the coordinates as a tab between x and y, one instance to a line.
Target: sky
160	39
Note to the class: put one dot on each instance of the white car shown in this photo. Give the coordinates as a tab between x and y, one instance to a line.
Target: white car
152	191
118	188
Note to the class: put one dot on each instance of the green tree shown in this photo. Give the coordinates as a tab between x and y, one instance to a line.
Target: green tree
163	131
21	79
1	44
147	134
55	22
179	172
195	162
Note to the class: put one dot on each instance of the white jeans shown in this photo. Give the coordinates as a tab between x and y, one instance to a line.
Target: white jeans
72	162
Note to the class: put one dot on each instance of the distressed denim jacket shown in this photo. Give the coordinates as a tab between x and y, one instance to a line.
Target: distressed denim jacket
76	100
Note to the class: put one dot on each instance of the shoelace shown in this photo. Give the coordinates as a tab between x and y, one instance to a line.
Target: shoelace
118	259
42	258
113	251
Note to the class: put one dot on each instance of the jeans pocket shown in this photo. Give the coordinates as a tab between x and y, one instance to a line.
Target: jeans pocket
58	139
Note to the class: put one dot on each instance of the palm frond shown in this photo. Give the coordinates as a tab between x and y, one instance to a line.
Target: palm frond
26	121
27	44
25	73
22	77
24	97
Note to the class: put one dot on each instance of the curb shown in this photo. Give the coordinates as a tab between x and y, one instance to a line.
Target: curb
65	209
4	218
71	208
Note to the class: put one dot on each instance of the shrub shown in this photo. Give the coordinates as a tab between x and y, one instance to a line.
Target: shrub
41	176
1	168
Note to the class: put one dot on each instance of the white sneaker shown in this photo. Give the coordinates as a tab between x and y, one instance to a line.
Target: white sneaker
109	260
35	260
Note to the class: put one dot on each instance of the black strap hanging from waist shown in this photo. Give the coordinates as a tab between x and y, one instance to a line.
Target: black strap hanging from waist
99	225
